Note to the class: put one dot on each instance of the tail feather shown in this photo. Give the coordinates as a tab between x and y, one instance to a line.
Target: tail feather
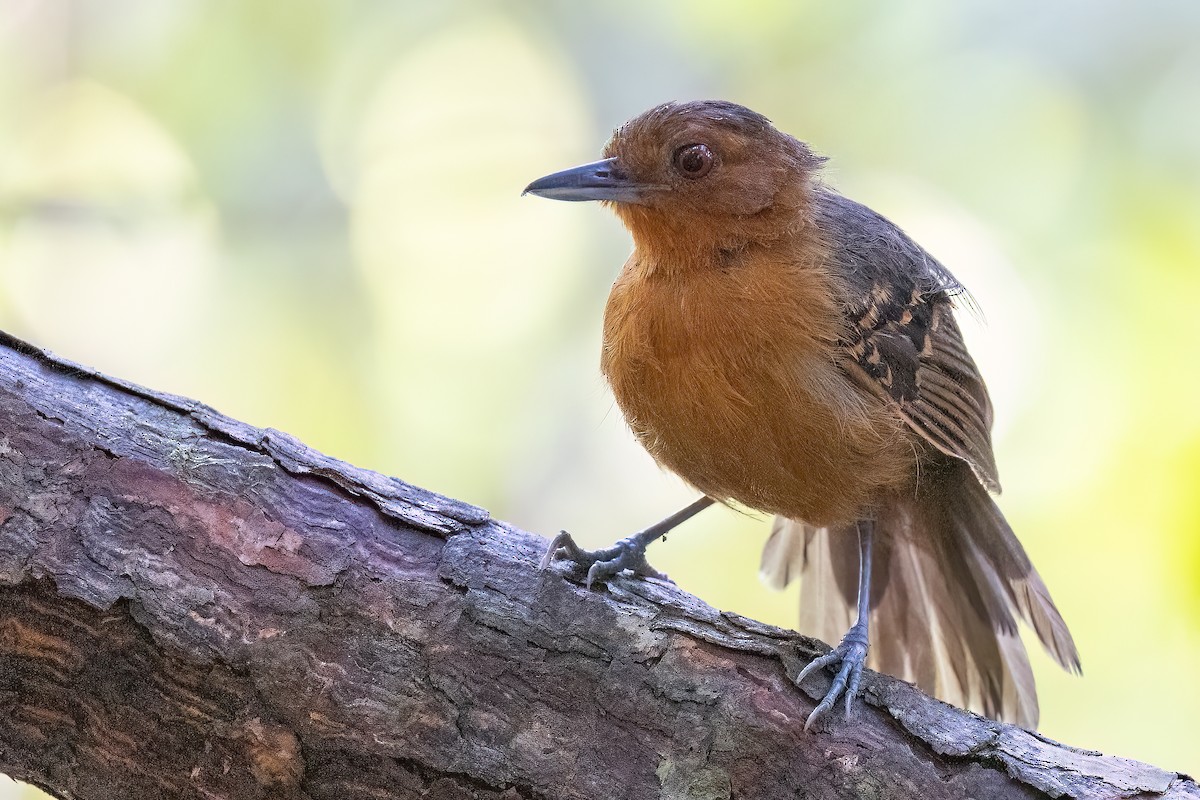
950	580
980	521
783	554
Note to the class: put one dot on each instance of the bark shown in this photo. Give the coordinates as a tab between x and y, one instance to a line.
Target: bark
191	607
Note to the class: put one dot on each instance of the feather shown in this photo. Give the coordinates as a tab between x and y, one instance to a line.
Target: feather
901	342
950	582
783	554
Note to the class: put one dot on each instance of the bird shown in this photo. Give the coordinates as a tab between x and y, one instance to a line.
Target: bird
786	349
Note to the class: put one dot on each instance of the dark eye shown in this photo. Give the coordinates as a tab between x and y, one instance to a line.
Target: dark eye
693	160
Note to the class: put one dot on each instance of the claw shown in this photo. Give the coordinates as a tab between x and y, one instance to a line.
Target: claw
852	653
561	543
627	554
602	565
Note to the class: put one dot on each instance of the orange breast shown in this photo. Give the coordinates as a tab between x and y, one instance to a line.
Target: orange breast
728	377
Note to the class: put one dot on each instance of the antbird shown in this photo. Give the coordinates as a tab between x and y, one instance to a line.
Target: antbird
783	347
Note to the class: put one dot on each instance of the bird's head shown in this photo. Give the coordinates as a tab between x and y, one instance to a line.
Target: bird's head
695	176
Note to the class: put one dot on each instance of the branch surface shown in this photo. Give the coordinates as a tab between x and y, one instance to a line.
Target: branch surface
191	607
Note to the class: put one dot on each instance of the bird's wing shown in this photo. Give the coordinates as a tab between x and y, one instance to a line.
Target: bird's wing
901	342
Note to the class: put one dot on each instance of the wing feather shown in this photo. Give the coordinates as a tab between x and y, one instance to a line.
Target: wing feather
901	341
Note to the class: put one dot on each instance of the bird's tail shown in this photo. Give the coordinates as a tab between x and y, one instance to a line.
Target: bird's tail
949	581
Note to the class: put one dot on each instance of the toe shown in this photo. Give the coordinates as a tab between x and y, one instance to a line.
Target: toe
845	683
852	688
816	664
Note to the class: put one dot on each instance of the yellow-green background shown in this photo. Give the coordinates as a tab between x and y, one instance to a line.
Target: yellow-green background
307	214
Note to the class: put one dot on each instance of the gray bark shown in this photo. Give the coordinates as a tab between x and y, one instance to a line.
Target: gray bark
191	607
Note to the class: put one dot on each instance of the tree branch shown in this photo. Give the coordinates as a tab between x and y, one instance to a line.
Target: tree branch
193	607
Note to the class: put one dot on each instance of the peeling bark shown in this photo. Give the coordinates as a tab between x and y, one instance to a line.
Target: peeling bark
194	608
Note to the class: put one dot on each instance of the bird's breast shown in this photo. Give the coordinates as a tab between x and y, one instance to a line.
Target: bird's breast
729	378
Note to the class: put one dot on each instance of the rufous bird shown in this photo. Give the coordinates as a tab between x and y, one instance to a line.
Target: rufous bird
785	348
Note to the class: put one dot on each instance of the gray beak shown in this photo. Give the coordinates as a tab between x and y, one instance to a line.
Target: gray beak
600	180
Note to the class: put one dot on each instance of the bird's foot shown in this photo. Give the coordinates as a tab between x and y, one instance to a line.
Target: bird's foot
852	653
601	565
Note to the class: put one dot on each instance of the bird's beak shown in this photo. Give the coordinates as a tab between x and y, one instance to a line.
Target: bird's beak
600	180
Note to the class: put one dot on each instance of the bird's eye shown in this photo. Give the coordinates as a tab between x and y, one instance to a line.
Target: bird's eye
693	160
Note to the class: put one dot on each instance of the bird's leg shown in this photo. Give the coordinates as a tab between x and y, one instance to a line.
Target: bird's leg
852	651
628	553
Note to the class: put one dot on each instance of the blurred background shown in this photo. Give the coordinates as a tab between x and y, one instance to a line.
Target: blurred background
308	216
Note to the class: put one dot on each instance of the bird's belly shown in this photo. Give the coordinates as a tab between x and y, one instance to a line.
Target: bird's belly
794	459
755	421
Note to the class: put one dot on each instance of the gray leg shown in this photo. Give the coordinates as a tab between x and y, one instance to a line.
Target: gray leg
852	652
629	553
